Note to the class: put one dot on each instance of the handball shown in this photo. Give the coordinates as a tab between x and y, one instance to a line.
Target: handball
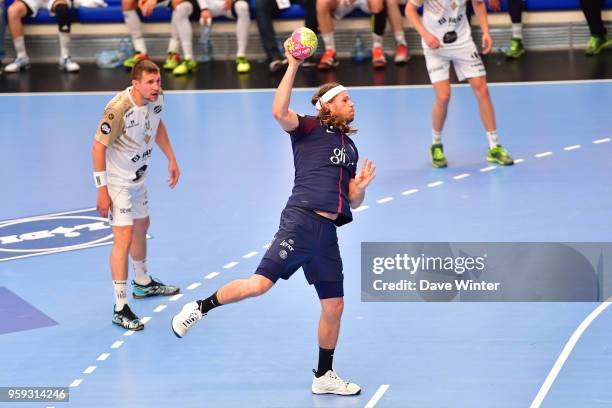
302	43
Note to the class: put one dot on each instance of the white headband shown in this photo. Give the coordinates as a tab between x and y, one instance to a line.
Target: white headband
329	95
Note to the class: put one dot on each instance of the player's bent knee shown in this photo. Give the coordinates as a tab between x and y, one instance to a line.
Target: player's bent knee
16	11
241	8
333	307
128	5
259	285
325	5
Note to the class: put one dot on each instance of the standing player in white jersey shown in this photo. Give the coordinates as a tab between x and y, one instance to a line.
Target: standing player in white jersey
446	38
121	152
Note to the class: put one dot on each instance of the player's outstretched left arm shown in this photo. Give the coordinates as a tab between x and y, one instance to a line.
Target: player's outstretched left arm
163	141
358	185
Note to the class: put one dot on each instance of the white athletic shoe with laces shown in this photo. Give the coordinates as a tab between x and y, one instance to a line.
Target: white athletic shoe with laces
185	319
68	65
330	383
18	65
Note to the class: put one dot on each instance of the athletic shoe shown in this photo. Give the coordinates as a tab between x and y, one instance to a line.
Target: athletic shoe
437	156
276	64
68	65
379	60
516	48
154	288
135	59
127	319
328	60
185	67
172	61
499	155
19	64
330	383
402	55
597	44
189	315
242	65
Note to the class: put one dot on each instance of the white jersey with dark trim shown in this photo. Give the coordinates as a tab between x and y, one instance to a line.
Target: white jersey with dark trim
447	20
128	131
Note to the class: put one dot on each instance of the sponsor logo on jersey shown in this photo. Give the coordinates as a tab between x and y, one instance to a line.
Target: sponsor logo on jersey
157	109
105	128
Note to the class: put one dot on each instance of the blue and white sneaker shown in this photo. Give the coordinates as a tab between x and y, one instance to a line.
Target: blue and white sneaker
18	65
154	288
127	319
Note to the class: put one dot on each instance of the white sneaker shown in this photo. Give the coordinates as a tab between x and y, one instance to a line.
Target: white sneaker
330	383
188	316
68	65
18	65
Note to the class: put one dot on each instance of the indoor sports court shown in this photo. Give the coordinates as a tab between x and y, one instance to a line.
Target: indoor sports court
237	170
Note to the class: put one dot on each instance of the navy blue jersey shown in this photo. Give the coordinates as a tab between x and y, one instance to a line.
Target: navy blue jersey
325	160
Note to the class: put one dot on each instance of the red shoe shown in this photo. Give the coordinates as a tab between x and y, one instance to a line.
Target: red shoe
378	58
402	55
328	60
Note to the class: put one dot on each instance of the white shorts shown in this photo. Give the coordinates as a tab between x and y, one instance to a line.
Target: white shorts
466	60
129	204
342	9
36	5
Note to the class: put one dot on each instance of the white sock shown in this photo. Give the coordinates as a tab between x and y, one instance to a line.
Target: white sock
517	30
173	44
330	42
64	41
120	294
436	137
400	38
180	19
140	271
19	44
133	24
492	138
242	26
376	40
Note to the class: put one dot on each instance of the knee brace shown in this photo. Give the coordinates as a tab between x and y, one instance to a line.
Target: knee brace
62	12
379	22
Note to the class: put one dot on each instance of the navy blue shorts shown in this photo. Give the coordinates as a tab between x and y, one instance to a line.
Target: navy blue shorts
307	240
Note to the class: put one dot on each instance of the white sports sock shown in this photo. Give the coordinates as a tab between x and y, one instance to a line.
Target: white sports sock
376	40
173	44
64	41
400	38
436	137
19	44
180	19
517	30
120	295
133	24
141	276
242	26
492	138
330	42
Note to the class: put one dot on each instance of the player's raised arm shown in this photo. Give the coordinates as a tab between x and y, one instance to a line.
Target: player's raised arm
287	118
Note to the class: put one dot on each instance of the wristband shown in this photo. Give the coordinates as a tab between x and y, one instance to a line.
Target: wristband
99	178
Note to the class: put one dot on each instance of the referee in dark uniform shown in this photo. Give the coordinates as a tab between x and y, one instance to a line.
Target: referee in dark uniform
327	185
